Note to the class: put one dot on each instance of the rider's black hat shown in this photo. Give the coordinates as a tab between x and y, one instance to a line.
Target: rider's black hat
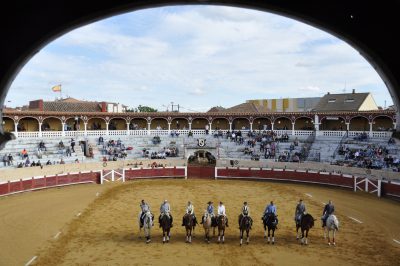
245	202
210	202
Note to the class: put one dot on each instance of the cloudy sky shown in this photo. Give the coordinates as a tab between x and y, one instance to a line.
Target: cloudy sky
197	57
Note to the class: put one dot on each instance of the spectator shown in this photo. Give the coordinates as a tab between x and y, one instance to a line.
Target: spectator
10	159
5	160
72	145
24	154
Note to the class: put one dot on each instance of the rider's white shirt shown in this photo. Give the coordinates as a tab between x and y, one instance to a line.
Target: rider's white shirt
221	210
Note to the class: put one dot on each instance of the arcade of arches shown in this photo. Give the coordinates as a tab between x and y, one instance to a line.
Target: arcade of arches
21	121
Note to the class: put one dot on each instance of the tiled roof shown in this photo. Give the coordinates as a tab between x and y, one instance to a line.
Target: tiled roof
341	102
243	108
216	109
72	106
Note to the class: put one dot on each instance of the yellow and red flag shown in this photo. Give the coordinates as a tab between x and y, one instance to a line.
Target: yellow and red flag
56	88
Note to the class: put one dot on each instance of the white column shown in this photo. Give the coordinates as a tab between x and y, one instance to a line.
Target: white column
63	129
292	129
127	129
16	129
169	128
190	126
85	128
370	129
348	126
251	126
272	126
107	129
230	126
148	128
316	123
210	131
40	129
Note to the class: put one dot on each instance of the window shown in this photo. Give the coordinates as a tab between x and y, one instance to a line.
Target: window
349	100
331	100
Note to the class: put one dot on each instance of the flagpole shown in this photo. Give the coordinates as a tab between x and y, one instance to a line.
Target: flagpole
60	92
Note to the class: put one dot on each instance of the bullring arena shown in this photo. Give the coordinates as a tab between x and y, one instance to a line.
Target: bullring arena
93	224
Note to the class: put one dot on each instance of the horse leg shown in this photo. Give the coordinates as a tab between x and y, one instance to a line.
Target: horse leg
273	236
333	240
269	230
223	236
248	238
241	236
306	236
297	232
163	234
265	231
168	235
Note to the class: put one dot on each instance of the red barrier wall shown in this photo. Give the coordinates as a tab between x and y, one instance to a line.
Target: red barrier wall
202	172
154	172
48	181
391	189
327	179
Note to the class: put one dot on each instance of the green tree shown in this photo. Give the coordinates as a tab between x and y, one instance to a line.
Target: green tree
142	109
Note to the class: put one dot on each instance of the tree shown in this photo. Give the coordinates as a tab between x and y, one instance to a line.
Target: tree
142	109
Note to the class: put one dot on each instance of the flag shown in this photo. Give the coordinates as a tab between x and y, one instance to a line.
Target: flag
56	88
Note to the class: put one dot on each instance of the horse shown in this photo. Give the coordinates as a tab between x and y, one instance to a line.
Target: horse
306	223
332	224
147	224
221	223
297	220
270	221
189	222
165	223
207	226
245	225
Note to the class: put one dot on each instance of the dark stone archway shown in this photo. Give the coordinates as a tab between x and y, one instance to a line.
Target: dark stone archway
369	26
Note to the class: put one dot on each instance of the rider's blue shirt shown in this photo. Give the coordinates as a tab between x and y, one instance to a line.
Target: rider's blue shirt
270	209
210	209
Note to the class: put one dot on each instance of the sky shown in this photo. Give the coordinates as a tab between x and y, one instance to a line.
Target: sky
197	57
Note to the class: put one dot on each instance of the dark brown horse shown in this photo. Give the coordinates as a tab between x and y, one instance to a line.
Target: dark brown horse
306	223
221	223
245	226
270	220
165	223
189	222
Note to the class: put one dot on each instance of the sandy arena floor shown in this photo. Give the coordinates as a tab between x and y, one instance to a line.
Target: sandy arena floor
106	232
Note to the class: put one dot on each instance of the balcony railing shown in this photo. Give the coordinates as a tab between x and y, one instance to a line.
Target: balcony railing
196	132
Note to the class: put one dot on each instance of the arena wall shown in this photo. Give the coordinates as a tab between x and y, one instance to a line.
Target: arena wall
389	189
42	182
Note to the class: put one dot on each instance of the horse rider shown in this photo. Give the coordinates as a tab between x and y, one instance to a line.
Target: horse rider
165	209
145	207
210	211
221	211
189	211
245	212
300	211
270	209
328	210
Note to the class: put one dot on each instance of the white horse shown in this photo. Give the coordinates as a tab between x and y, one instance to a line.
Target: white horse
147	225
332	224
